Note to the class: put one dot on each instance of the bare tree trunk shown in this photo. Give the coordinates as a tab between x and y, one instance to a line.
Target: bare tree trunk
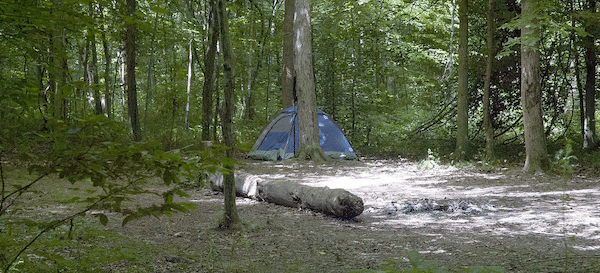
487	120
462	117
121	67
107	79
58	73
230	218
84	59
589	125
209	71
288	72
189	86
130	54
150	81
94	80
531	92
308	125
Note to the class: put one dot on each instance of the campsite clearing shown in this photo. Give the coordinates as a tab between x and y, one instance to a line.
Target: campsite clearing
523	223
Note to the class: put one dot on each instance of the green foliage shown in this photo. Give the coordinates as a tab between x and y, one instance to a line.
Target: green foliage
564	160
80	247
431	162
94	154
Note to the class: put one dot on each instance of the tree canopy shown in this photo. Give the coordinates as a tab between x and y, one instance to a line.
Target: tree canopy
384	70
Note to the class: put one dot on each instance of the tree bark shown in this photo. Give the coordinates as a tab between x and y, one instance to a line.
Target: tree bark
94	78
189	86
462	117
531	92
130	54
287	72
107	78
209	72
58	71
230	218
338	203
589	125
308	125
487	119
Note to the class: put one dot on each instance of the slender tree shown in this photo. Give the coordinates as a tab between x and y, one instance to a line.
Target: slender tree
462	117
230	218
209	71
189	84
308	125
531	91
130	54
107	76
487	119
589	125
93	70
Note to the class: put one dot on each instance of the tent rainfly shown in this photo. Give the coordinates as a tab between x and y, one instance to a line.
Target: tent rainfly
279	140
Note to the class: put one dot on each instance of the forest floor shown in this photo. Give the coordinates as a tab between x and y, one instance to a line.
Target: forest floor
458	217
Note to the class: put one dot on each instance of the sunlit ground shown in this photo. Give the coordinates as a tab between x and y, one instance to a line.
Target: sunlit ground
508	202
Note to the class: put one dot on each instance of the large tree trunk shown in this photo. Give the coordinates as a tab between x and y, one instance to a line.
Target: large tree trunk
338	203
230	218
589	125
130	54
487	119
288	74
308	125
462	117
531	92
209	72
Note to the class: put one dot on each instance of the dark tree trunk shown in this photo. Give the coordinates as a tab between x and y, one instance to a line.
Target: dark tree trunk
288	73
130	54
58	71
107	79
209	72
487	119
94	80
589	125
531	92
230	218
462	117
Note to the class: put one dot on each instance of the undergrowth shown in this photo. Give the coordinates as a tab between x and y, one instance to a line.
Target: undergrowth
82	246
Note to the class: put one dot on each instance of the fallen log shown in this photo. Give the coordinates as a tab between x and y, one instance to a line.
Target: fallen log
339	203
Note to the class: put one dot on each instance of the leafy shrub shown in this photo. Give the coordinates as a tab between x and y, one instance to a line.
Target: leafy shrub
96	152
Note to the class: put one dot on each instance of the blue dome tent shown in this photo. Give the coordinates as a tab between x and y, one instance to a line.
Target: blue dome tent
279	140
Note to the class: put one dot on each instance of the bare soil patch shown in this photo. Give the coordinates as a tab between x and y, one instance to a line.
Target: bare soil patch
459	217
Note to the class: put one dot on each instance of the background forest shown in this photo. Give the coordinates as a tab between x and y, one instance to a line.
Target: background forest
115	93
386	71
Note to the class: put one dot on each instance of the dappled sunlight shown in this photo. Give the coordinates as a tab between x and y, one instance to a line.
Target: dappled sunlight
499	204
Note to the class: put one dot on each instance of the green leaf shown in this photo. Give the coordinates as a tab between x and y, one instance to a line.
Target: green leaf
159	10
168	177
169	198
103	219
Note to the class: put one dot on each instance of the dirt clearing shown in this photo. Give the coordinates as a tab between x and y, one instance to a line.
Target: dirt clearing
459	217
